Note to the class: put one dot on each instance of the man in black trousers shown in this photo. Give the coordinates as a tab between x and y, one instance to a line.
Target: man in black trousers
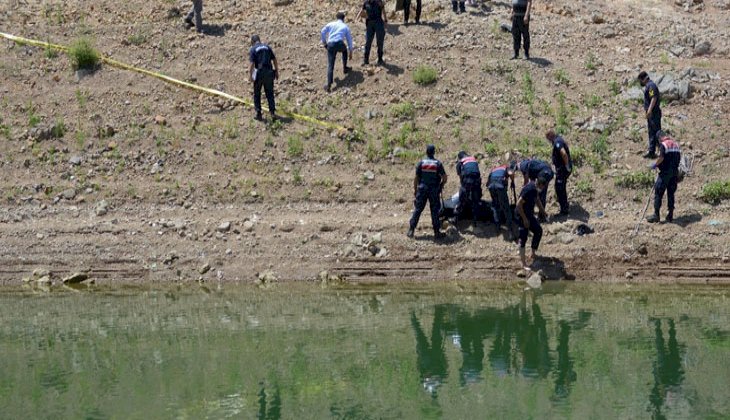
262	72
521	26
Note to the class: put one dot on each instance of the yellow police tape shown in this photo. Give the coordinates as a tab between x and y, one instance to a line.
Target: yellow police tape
173	81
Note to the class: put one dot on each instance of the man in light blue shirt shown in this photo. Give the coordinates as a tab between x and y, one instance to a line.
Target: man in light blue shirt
337	38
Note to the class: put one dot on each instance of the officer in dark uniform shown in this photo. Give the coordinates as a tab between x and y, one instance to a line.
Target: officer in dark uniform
430	179
458	6
668	165
197	13
653	112
407	11
526	212
497	183
521	26
374	13
532	169
470	192
563	168
262	72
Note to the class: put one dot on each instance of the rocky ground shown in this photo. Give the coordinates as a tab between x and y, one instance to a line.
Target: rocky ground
124	178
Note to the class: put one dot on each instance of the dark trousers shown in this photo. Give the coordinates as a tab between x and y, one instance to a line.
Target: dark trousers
197	12
374	29
433	196
654	124
470	194
501	209
520	34
561	190
407	10
536	230
265	80
668	183
332	49
461	5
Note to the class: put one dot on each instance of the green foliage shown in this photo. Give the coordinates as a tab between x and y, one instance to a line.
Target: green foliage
635	180
561	76
491	149
614	87
50	53
562	123
275	127
294	146
230	129
371	152
33	118
600	146
497	69
579	156
425	75
80	139
83	55
137	39
528	89
403	110
297	176
593	101
59	129
585	188
715	191
591	62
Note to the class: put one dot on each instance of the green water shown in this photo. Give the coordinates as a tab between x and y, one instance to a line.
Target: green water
413	352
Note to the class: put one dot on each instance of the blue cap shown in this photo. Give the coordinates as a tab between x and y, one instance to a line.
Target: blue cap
430	150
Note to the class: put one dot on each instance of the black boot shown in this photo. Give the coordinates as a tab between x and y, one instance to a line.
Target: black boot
670	216
653	218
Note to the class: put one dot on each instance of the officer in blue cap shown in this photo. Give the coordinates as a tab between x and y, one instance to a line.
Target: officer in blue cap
532	169
427	185
653	112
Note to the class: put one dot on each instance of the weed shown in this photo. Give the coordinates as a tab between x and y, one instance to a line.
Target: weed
498	68
59	129
635	180
614	87
585	188
505	109
33	118
50	53
83	55
664	58
275	127
269	142
593	101
528	89
82	97
425	75
561	76
715	191
295	146
578	156
591	62
137	39
230	129
562	125
371	152
297	176
491	149
404	110
81	139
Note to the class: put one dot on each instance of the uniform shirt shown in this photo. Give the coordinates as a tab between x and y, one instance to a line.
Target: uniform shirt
261	56
650	92
497	178
374	9
669	150
529	196
519	7
337	31
558	162
534	168
430	172
467	166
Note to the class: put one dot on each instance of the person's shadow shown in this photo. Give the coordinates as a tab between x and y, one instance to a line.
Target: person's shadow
541	62
393	70
215	30
577	212
392	29
688	219
352	79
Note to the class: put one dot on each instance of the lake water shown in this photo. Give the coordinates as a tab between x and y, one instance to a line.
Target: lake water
401	352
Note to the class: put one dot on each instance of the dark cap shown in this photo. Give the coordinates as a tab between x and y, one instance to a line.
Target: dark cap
513	166
430	150
643	75
255	39
461	155
541	180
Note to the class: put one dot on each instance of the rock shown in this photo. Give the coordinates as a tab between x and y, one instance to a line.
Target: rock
160	120
281	2
642	249
327	228
204	268
597	18
702	48
41	272
373	249
522	274
75	278
349	251
284	227
633	94
102	208
40	133
583	229
328	279
69	194
266	278
248	226
595	125
224	227
535	280
45	280
377	238
629	275
369	175
75	160
565	238
382	253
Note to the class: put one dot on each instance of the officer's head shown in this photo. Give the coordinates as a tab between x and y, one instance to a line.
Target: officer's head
340	16
255	39
540	182
550	135
643	78
430	150
660	134
461	155
512	168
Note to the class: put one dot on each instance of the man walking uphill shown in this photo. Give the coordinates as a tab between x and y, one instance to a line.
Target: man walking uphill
668	165
563	168
521	26
470	193
653	112
430	179
375	20
262	72
337	38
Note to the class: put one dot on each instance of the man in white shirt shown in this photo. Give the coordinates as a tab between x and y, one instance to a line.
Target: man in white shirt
337	38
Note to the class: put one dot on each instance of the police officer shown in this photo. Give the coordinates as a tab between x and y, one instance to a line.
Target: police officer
374	13
653	112
336	38
262	71
430	179
526	212
563	168
532	169
407	11
470	192
197	13
458	6
668	165
497	183
521	26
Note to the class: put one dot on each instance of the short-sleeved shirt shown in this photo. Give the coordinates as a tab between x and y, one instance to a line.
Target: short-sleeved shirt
669	150
558	145
519	7
535	168
497	178
430	172
650	92
373	9
529	196
261	55
468	167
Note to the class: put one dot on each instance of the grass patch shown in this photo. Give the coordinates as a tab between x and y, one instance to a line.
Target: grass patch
593	101
528	89
137	39
58	130
425	75
561	76
585	188
635	180
591	62
614	87
294	146
562	123
491	149
83	55
715	191
404	110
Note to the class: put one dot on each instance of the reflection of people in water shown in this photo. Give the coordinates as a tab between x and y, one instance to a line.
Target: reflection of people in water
564	375
272	410
668	372
431	361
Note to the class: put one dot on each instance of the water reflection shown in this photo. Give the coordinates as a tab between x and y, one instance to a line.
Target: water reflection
269	404
667	369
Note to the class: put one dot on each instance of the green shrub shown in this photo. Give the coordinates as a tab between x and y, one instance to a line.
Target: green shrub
528	89
425	75
578	155
636	180
58	130
491	149
405	110
562	117
715	191
295	146
585	188
561	76
83	55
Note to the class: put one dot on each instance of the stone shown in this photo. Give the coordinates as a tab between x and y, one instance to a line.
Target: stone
266	278
288	227
102	208
382	253
327	228
597	18
45	280
41	272
75	278
642	249
702	48
629	275
349	251
75	160
160	120
69	194
204	268
248	226
373	249
40	133
565	238
279	3
535	280
594	125
224	227
369	175
377	238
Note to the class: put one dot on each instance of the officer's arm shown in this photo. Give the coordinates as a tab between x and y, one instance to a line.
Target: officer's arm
382	9
250	72
444	178
521	211
361	15
415	184
527	14
651	106
660	159
276	67
540	206
564	155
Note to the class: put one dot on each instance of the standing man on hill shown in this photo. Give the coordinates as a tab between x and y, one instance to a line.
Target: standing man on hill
337	38
470	193
653	112
374	13
197	13
262	72
563	168
427	185
668	165
407	11
521	26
